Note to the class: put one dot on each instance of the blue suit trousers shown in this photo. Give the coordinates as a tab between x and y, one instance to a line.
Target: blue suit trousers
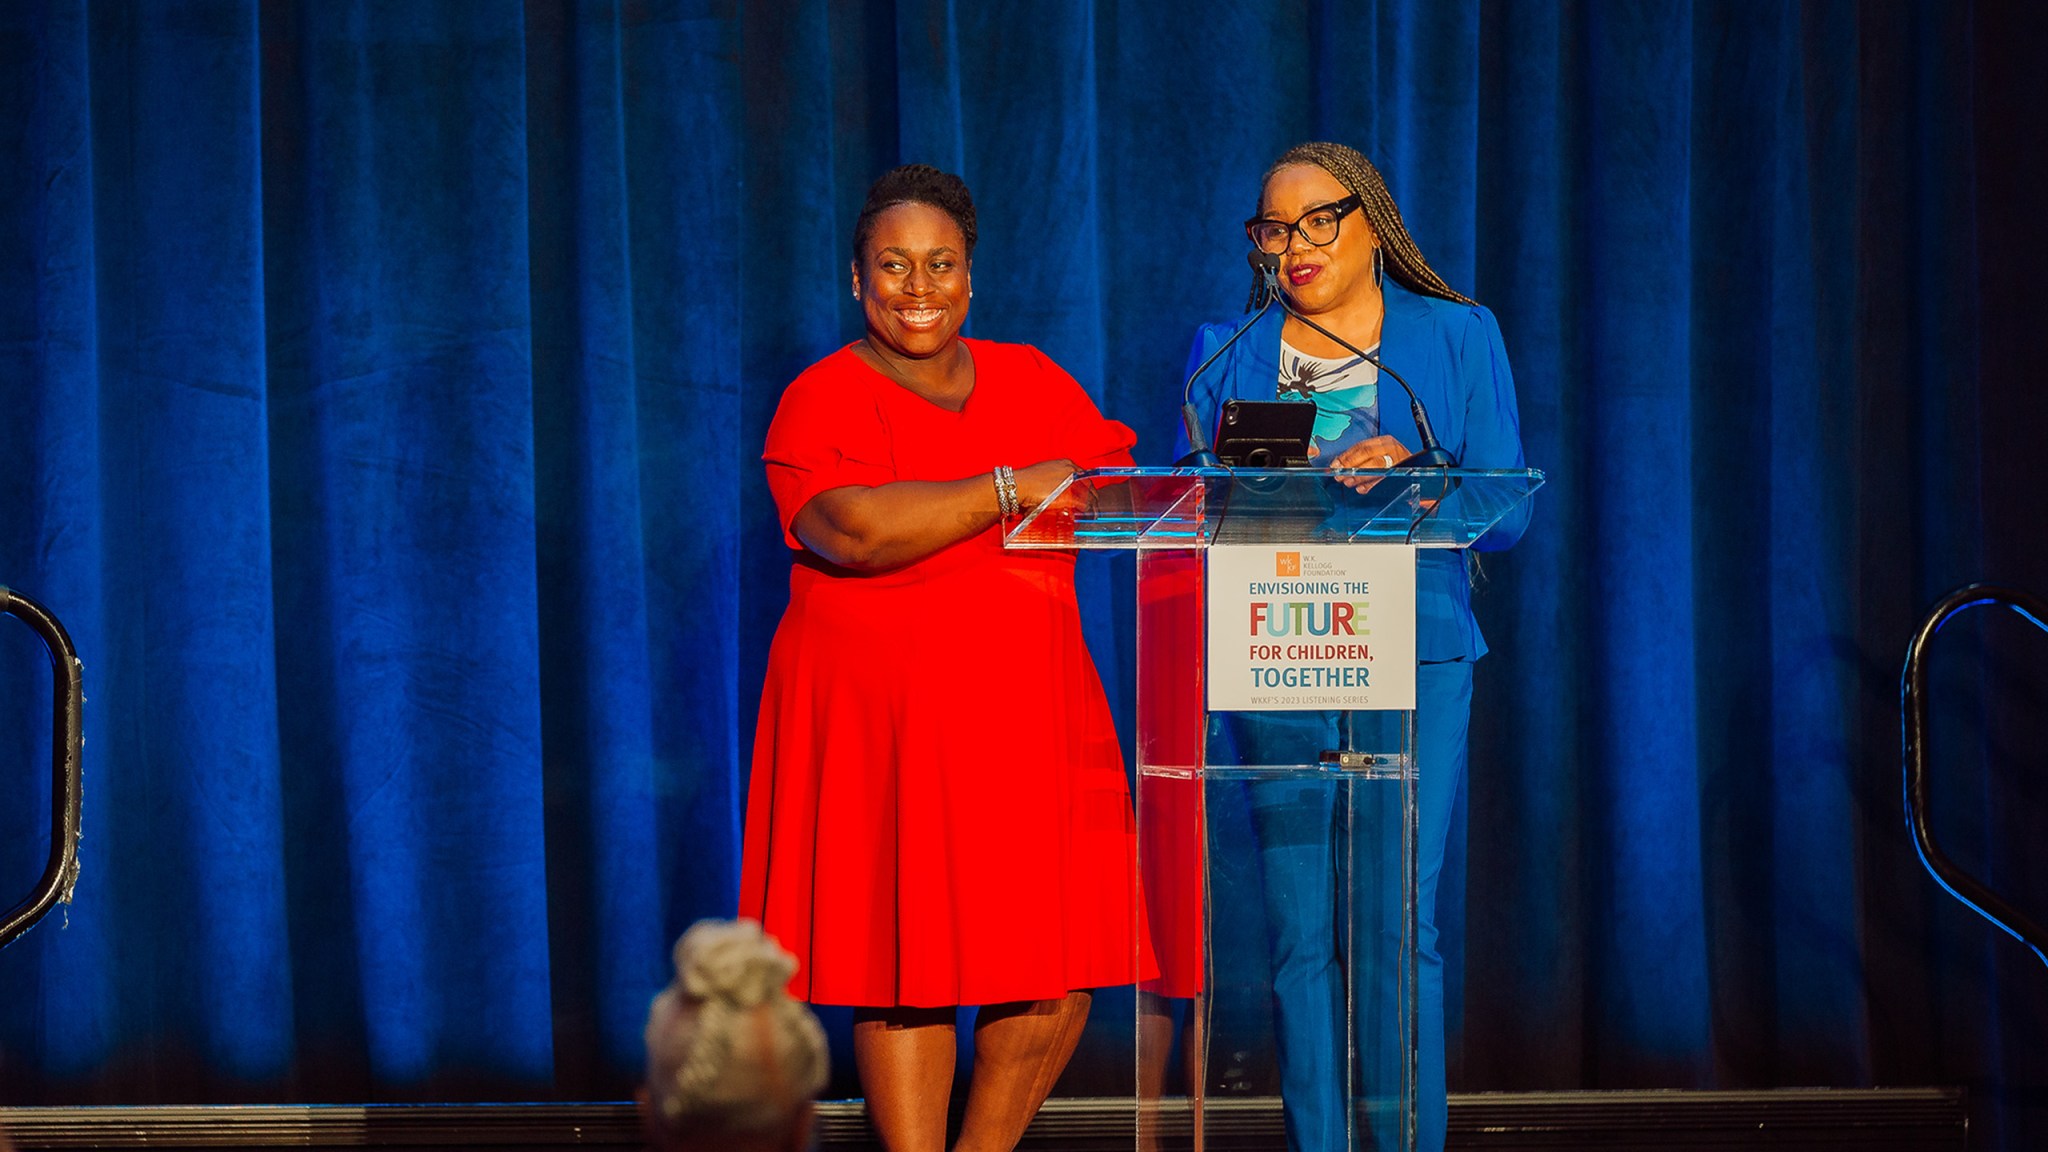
1297	823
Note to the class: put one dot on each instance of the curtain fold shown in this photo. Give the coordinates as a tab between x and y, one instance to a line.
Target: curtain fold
398	329
381	393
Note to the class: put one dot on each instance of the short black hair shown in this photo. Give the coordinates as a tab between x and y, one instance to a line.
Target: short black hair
915	184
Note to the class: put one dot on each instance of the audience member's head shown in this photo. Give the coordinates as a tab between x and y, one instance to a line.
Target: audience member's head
733	1063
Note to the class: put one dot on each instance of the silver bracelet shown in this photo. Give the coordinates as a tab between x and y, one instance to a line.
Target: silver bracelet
1006	490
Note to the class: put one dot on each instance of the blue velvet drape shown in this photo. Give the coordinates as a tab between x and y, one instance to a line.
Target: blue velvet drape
381	390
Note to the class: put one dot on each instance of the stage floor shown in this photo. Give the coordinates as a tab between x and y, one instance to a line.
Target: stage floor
1818	1118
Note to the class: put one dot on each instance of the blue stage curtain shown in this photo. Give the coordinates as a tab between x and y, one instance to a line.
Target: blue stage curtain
381	392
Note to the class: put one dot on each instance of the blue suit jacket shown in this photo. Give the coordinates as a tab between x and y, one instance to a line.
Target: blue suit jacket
1452	355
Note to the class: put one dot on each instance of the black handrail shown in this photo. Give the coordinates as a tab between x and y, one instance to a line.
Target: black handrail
1913	703
67	742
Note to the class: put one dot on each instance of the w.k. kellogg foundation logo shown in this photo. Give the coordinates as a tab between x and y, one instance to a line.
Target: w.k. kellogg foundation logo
1286	563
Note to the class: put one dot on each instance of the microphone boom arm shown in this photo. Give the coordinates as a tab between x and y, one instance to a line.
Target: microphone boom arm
1201	454
1433	454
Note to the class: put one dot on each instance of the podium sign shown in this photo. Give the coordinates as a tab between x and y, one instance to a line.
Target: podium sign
1311	627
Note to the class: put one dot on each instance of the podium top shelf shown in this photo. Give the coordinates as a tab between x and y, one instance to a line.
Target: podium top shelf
1130	508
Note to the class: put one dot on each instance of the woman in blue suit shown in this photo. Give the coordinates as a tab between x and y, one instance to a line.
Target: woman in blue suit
1348	264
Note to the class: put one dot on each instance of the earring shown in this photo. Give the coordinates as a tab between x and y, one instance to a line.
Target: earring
1379	265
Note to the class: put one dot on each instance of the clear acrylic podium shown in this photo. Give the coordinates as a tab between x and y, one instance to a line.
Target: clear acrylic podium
1223	831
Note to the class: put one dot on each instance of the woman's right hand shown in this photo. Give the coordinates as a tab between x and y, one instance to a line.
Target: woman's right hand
1036	483
901	522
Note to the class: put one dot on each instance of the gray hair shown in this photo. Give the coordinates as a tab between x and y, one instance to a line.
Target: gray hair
730	1055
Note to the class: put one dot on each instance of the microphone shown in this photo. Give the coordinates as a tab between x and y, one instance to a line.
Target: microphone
1201	454
1433	454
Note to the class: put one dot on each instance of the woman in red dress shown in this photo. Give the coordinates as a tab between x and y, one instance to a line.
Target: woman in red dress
938	813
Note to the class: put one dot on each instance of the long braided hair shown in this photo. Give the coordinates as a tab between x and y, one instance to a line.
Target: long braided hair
1350	168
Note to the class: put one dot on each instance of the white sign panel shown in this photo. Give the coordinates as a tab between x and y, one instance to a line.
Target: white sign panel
1311	627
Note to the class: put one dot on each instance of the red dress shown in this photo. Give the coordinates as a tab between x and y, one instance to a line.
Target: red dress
938	812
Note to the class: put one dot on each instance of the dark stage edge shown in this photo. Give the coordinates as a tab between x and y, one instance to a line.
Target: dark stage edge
1818	1118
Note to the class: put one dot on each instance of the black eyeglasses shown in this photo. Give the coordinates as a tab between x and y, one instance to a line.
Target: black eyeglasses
1318	226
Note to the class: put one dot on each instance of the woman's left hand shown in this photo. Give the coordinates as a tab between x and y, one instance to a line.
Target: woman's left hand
1378	452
